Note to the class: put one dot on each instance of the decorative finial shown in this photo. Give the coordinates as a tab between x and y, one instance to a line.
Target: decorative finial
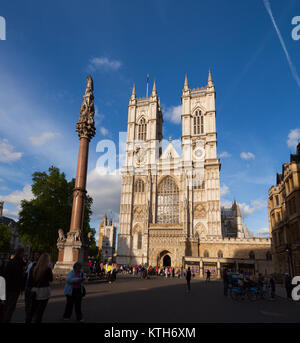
86	124
186	85
170	139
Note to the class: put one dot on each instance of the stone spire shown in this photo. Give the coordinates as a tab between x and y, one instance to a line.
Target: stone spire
154	93
86	124
133	95
209	81
186	85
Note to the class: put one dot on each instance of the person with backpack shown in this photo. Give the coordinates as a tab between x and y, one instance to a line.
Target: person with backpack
74	292
39	283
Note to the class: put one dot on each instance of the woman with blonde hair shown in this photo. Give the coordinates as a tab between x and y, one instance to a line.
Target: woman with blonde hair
40	278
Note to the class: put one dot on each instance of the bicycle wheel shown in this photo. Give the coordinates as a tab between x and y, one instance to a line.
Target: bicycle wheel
252	296
235	296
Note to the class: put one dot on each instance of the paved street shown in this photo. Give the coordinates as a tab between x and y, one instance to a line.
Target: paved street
160	300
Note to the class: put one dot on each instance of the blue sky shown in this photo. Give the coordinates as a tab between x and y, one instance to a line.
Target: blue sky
50	48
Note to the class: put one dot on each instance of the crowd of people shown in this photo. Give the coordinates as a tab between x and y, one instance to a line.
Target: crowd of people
33	278
142	271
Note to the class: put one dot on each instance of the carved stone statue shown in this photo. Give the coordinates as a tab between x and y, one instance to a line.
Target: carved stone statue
86	124
61	236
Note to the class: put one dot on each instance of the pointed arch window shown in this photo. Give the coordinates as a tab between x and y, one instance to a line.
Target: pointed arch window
220	254
139	240
142	130
251	255
206	253
198	123
168	202
139	186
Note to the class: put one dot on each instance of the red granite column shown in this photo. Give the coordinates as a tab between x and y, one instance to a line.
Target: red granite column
80	185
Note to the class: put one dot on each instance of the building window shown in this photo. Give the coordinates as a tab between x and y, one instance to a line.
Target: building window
281	237
277	200
252	255
139	240
168	202
142	130
198	123
206	254
268	256
139	186
278	217
220	254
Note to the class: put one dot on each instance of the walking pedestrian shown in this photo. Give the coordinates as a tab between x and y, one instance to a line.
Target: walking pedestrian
14	275
225	282
208	275
188	279
39	283
74	291
28	286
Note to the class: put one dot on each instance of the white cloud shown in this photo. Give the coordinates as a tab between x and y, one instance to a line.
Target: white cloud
43	138
250	209
16	196
224	190
103	131
104	63
106	193
6	152
10	214
247	156
225	154
173	114
293	138
263	231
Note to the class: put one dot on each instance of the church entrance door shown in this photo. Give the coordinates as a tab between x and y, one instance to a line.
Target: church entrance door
167	261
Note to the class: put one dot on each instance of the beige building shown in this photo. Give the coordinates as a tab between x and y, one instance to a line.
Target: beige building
107	240
170	211
284	217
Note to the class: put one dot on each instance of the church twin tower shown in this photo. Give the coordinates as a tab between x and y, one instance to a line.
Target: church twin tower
169	203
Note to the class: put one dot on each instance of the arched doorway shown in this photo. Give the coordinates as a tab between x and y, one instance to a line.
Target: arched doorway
167	261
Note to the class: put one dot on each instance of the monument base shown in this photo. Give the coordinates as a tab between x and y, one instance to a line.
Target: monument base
70	251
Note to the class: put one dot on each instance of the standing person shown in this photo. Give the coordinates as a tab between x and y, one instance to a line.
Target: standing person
74	292
188	279
225	282
173	272
207	275
272	286
288	285
109	273
28	286
14	275
166	272
39	282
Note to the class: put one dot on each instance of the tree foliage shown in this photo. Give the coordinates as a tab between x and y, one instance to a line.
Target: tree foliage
5	237
49	210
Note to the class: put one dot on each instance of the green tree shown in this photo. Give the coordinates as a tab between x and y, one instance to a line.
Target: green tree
49	210
5	237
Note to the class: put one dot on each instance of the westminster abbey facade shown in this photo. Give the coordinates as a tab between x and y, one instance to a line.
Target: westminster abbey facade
170	212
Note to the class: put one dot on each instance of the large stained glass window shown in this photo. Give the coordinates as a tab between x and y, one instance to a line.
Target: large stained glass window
168	202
